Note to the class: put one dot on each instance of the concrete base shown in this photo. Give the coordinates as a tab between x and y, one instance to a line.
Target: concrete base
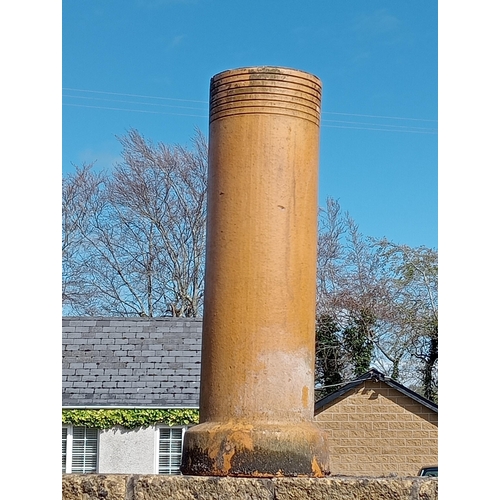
153	487
255	450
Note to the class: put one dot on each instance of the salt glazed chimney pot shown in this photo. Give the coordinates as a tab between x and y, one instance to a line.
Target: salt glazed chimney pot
258	343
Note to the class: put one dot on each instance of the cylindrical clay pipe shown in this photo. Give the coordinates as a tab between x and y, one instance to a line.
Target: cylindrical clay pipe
257	372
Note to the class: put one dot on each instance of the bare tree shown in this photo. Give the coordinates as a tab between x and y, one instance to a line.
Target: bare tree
144	238
379	301
413	284
330	256
80	193
349	291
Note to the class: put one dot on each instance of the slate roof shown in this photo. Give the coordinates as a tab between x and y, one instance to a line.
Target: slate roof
376	376
131	362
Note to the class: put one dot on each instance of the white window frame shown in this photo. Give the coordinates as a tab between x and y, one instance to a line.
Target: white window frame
68	441
69	449
184	428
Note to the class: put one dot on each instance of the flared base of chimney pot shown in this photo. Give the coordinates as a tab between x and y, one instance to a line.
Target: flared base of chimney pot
255	450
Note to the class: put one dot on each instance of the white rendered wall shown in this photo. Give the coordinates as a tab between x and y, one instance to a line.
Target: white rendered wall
127	451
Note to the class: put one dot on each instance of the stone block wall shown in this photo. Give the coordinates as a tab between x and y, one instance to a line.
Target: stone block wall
374	430
153	487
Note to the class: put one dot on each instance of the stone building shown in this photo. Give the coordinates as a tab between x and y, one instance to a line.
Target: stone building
378	427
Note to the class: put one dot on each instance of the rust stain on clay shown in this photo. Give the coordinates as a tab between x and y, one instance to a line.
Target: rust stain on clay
305	397
317	470
268	451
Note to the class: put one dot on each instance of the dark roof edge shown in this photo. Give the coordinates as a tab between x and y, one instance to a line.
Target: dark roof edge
132	318
374	374
128	407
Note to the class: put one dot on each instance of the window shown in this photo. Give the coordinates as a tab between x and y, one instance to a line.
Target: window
170	449
64	447
79	449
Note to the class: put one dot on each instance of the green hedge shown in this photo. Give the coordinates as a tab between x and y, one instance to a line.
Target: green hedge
130	418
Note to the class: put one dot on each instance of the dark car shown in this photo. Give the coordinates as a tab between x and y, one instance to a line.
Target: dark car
430	471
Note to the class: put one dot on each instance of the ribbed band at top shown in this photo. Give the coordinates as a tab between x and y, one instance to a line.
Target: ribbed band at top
265	90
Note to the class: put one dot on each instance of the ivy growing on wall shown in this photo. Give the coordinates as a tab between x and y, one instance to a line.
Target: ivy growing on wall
130	418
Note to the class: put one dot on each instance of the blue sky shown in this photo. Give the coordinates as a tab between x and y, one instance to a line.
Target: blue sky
147	64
